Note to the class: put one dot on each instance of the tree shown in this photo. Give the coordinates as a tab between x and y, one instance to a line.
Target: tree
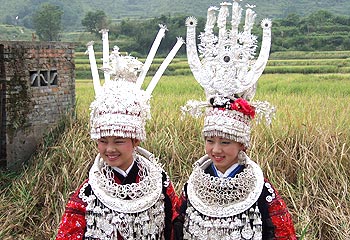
47	22
95	21
291	20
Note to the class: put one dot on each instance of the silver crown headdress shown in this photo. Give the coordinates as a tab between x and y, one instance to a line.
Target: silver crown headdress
228	71
121	108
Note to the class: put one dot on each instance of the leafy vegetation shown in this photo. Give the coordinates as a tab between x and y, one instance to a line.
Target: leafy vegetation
94	21
320	30
75	10
47	22
297	25
292	33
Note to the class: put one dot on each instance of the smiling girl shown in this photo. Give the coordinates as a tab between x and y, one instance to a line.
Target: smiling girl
127	194
226	196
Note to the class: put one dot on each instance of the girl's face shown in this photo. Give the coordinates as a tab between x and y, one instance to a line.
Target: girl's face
223	152
117	151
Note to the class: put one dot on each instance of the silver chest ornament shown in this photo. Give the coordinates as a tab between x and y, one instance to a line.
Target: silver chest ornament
135	211
224	208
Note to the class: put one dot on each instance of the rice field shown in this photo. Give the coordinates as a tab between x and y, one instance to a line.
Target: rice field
279	63
305	153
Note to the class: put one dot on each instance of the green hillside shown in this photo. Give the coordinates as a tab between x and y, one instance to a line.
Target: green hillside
133	24
74	10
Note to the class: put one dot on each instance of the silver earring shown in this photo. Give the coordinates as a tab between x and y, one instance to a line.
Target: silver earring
242	158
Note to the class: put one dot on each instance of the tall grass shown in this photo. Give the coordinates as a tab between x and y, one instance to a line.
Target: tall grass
304	153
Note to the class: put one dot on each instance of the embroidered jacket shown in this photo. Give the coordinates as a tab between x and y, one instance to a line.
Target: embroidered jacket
73	224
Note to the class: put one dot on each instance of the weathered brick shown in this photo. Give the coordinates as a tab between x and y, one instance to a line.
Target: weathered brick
27	112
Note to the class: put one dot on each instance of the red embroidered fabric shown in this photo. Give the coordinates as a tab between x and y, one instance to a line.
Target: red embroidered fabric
180	205
281	219
170	192
73	221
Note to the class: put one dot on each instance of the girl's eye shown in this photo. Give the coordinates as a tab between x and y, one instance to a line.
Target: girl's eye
226	142
209	140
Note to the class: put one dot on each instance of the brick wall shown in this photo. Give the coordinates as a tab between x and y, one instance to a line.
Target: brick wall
38	85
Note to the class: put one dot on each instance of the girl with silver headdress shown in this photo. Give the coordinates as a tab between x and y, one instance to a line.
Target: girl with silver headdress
127	195
226	195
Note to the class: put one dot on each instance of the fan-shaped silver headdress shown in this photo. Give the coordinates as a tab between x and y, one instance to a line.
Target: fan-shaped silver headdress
121	108
227	70
228	67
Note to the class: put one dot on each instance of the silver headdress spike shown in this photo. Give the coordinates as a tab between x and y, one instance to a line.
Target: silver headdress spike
105	54
236	20
151	54
164	65
117	67
223	14
227	65
93	66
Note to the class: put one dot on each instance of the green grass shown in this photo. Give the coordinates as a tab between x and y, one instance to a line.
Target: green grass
310	55
309	62
15	33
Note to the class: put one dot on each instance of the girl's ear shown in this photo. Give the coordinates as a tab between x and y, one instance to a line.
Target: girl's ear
135	142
